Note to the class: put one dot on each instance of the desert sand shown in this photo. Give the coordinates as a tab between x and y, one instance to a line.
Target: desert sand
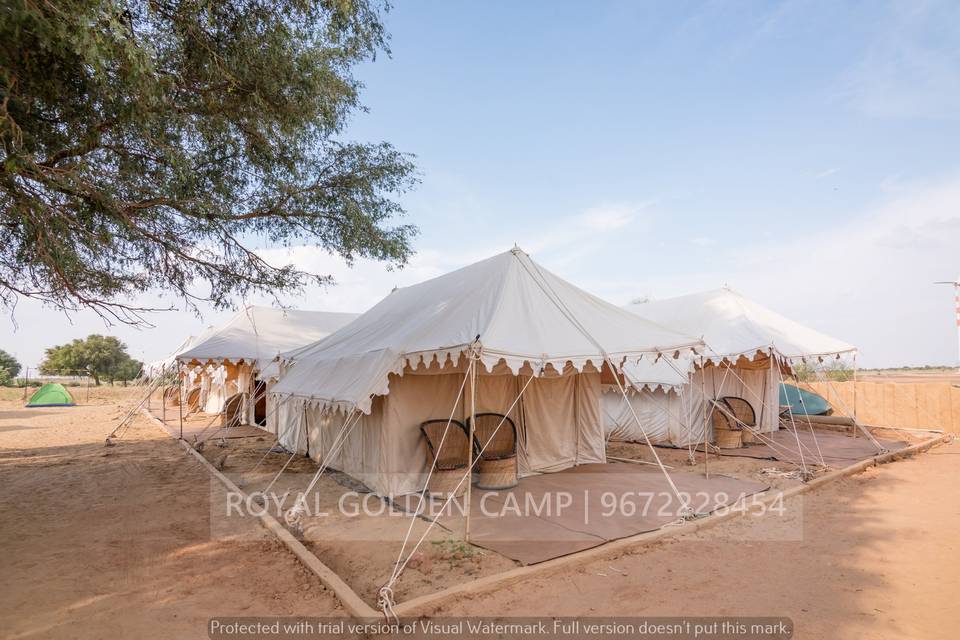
116	542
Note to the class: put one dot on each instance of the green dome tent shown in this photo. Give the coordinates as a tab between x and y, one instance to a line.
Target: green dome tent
51	395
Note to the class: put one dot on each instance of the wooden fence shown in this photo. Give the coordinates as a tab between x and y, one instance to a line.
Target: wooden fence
915	405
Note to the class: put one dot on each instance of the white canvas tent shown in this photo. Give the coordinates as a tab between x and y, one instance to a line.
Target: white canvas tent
171	363
373	383
757	340
236	354
168	364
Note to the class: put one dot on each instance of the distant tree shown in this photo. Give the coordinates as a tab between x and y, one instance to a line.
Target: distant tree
837	371
154	145
127	370
100	357
9	367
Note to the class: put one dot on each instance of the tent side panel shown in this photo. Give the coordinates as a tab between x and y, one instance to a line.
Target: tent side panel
591	443
412	401
358	451
551	429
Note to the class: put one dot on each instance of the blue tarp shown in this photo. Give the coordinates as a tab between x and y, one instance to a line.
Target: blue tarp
811	404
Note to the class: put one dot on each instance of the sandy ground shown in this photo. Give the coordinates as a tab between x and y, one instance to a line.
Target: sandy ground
120	541
361	540
102	542
872	556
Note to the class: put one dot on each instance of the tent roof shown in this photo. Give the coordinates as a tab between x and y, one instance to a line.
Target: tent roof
507	307
733	325
260	333
157	367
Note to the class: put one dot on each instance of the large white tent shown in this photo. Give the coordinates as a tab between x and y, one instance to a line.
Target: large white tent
243	349
531	334
759	344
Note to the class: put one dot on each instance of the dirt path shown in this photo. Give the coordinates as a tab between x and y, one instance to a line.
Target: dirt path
102	542
874	556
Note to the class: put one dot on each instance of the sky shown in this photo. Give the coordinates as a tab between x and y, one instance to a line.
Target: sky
803	153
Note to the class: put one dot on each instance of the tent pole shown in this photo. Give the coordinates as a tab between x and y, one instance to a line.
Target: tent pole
706	416
473	420
180	396
26	382
854	387
163	403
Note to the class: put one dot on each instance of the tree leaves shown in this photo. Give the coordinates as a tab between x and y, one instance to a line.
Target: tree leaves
97	356
156	145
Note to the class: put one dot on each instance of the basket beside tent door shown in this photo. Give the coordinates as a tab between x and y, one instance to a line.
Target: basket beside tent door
745	417
495	446
727	434
449	454
233	411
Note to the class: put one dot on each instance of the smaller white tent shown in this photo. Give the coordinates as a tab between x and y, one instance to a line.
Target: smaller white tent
737	331
168	364
257	335
243	349
732	325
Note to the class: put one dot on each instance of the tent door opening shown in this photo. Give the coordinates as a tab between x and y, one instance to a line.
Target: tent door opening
260	402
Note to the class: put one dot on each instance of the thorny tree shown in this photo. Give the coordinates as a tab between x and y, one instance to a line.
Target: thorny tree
153	145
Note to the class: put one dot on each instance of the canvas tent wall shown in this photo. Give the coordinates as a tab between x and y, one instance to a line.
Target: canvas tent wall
748	348
402	363
234	355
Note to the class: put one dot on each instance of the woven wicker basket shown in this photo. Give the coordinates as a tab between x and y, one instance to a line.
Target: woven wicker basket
728	438
748	437
444	481
497	474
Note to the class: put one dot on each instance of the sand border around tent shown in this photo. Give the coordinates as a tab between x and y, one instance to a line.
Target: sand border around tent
421	605
352	603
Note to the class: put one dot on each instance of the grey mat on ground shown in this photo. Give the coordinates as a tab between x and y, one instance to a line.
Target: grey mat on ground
838	449
555	514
